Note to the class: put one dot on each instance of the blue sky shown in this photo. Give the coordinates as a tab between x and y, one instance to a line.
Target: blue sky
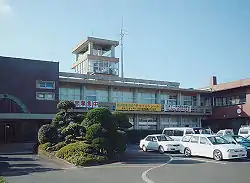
186	41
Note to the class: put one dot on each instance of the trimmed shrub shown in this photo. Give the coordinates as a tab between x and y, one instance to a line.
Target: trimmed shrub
94	131
101	145
121	120
85	159
57	147
74	149
45	146
120	142
58	120
2	180
100	116
47	133
73	129
65	105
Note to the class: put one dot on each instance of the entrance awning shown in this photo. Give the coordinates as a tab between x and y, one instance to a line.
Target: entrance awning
25	116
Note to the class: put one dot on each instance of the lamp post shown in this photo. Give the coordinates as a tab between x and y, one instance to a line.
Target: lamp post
5	132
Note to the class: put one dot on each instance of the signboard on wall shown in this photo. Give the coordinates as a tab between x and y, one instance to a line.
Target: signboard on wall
86	104
177	108
137	107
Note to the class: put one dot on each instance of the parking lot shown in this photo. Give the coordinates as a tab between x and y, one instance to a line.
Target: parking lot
137	167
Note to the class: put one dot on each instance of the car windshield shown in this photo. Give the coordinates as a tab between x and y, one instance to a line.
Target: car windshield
241	139
215	140
202	131
164	138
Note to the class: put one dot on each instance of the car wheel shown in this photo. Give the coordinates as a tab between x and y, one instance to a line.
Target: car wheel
187	152
218	155
144	148
161	149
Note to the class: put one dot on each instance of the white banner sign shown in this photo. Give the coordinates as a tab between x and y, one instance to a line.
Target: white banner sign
86	104
177	108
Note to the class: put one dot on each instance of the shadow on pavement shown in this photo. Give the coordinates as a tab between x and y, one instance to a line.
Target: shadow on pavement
13	166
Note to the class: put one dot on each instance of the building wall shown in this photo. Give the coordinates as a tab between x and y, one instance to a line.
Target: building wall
108	96
19	80
233	103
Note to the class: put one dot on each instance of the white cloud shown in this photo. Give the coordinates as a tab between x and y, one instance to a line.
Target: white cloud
5	8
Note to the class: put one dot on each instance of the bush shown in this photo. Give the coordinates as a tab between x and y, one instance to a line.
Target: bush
57	147
47	133
134	136
94	131
58	120
65	105
45	146
101	145
120	142
121	120
85	159
100	116
2	180
73	129
74	149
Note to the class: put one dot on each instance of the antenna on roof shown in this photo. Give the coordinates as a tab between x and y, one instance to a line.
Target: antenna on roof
122	34
92	33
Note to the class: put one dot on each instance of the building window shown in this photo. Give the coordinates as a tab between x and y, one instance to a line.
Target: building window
146	98
45	96
45	84
230	100
69	93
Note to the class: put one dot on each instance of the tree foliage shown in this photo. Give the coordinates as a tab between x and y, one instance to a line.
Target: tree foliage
100	116
121	120
65	105
47	133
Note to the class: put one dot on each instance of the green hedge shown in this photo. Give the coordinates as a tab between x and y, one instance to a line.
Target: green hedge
2	180
74	149
80	154
134	136
45	146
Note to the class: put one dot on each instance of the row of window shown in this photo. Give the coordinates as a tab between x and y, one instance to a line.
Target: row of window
231	100
123	96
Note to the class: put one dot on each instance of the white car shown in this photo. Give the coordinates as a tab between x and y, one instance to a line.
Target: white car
225	132
159	143
211	146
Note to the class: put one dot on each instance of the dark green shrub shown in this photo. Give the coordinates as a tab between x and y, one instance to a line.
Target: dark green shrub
58	146
101	145
58	119
45	146
73	129
2	180
84	159
47	133
74	149
65	105
121	120
120	142
94	131
100	116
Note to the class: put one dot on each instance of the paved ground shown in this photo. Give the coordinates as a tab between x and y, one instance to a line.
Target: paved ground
138	167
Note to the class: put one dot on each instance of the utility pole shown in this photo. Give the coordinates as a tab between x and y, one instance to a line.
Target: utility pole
122	34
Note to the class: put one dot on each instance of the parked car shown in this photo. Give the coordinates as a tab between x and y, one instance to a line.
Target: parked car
211	146
159	142
199	130
244	131
237	139
177	133
225	132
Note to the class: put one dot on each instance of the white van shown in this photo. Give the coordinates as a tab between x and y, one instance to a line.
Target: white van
177	133
244	131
